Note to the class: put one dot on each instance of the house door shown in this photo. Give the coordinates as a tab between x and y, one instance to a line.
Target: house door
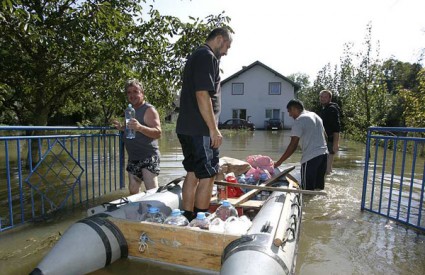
239	113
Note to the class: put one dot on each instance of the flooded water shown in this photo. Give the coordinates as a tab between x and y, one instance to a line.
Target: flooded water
336	237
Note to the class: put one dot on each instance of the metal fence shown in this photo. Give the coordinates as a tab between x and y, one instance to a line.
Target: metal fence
44	169
394	182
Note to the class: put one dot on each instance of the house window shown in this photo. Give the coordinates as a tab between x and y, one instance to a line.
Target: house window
239	113
274	88
237	88
272	113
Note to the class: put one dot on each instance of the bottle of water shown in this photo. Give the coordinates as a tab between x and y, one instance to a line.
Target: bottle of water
221	193
129	114
263	177
153	215
242	179
251	180
226	210
200	221
176	218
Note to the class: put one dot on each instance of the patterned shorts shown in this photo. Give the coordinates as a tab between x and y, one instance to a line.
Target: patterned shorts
151	164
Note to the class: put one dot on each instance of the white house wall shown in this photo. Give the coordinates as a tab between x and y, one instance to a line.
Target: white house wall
256	98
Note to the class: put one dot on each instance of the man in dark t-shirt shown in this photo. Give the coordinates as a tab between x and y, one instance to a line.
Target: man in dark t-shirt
330	115
198	118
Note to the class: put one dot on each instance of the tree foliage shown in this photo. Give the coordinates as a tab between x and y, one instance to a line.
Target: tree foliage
370	92
414	112
71	58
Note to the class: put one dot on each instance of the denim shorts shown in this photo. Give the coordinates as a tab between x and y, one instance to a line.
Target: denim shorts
151	164
199	156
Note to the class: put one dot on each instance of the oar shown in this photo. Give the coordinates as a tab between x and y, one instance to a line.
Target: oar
271	188
254	192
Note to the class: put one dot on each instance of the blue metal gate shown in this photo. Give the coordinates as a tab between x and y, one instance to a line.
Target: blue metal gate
56	167
394	182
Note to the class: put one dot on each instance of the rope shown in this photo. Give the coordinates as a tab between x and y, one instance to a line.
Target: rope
143	242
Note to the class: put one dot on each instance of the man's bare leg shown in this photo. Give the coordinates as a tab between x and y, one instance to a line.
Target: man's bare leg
330	163
190	186
150	179
203	193
134	184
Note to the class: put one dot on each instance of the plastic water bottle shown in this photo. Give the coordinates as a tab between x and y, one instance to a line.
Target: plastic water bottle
221	193
200	221
251	180
263	177
217	225
153	215
176	218
226	210
237	225
129	114
242	179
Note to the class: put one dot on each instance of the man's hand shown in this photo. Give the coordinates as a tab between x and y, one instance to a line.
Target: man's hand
117	125
216	138
134	124
277	164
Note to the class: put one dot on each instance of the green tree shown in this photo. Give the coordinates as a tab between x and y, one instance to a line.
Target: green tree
414	112
367	102
72	57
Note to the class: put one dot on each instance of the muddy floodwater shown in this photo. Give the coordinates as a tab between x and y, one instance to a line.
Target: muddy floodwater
336	237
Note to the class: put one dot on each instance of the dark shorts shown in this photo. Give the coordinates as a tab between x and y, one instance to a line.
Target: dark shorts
151	164
313	173
199	156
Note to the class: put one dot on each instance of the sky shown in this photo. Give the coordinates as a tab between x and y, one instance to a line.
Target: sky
302	36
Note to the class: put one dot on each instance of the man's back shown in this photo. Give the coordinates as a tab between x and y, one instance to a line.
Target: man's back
309	128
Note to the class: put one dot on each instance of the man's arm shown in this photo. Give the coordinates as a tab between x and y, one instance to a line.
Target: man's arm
289	151
205	107
336	127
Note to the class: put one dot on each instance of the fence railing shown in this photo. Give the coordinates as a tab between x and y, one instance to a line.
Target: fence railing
44	169
394	182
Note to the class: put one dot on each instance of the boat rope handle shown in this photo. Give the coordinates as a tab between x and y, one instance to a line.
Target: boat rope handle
298	208
143	242
297	198
290	231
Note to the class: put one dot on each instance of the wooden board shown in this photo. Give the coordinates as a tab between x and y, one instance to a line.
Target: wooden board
252	193
271	188
177	245
246	204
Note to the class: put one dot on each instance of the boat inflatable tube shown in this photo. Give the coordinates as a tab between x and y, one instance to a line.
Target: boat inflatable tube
88	245
255	253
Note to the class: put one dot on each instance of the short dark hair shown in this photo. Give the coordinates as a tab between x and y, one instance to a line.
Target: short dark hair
219	31
134	83
295	103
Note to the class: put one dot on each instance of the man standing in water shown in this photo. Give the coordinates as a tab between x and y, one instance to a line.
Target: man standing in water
143	150
330	115
307	129
200	105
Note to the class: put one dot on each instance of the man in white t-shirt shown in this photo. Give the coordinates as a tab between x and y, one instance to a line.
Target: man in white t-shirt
307	131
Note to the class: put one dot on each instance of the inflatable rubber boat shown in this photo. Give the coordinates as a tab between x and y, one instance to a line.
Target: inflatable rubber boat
114	230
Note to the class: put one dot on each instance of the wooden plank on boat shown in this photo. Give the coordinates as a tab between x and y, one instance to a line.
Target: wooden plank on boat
254	192
247	204
177	245
271	188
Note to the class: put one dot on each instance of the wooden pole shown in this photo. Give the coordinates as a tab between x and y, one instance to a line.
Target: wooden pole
270	188
254	192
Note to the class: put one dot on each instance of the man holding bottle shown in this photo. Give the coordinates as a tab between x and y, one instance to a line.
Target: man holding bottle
143	150
200	105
